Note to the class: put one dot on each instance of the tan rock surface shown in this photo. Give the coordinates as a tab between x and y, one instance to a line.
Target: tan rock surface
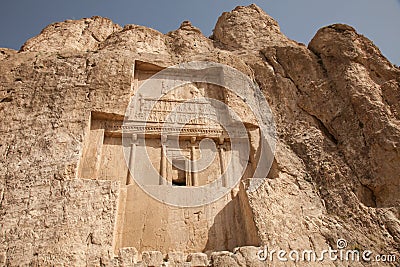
79	35
336	107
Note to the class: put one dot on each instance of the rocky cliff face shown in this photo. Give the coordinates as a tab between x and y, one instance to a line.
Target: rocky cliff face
336	107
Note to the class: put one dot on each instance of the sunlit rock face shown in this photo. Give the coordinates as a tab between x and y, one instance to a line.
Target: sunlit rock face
68	198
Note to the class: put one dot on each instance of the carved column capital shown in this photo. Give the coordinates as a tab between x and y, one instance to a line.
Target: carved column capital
164	138
134	138
193	140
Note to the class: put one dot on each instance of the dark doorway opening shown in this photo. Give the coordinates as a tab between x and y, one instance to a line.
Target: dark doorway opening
180	178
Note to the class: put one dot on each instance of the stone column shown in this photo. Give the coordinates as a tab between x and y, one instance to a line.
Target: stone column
189	172
221	150
164	161
222	164
194	174
132	155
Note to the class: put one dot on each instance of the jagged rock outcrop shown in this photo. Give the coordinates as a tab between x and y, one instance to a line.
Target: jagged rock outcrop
335	103
80	35
253	29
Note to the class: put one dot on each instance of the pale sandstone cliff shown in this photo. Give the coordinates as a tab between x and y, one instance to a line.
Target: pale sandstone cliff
336	107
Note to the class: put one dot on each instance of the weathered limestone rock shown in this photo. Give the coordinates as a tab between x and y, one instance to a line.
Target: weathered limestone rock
363	72
5	52
223	258
188	40
248	28
336	167
138	39
152	258
78	35
247	256
127	256
317	127
176	259
198	259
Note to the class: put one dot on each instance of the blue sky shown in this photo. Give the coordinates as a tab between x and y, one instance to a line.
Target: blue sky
379	20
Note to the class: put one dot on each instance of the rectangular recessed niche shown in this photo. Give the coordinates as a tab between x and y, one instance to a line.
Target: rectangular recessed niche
146	223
